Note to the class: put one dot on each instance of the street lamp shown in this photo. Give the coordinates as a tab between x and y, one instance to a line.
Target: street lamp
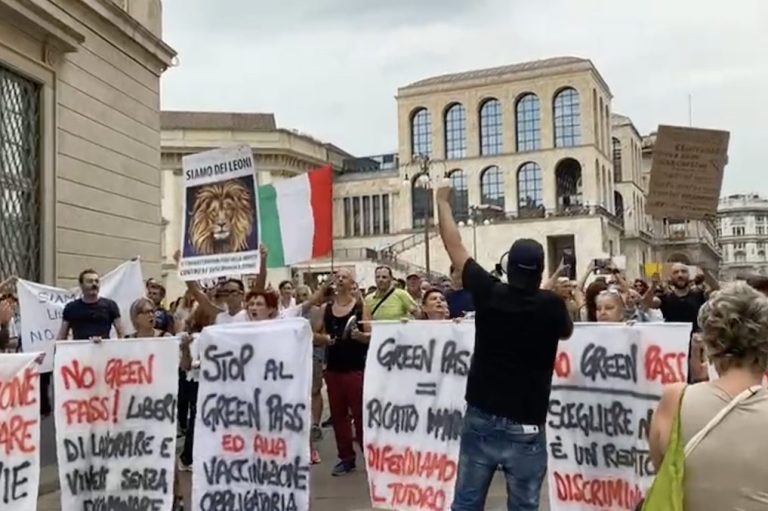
476	214
424	180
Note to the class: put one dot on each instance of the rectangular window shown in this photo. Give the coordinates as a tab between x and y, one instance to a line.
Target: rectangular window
19	176
760	229
366	216
356	216
376	214
385	214
347	217
738	231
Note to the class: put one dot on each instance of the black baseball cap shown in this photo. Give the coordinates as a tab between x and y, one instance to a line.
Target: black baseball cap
525	264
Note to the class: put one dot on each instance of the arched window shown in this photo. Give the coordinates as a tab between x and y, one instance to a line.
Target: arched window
460	195
530	198
492	187
421	133
420	199
490	128
528	122
616	160
568	185
455	132
599	181
618	202
567	118
601	140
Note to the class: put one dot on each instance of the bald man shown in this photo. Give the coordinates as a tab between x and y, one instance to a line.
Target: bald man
681	305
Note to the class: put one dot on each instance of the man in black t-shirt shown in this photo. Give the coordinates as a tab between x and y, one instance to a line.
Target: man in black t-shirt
90	316
681	305
517	330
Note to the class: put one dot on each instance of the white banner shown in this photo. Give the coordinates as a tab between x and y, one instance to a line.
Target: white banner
607	381
220	231
115	417
413	408
253	417
19	432
41	307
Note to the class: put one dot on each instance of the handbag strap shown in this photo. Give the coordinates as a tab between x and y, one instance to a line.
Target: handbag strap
383	299
694	442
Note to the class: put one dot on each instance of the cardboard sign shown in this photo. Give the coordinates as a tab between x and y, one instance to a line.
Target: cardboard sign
253	417
115	417
220	234
687	172
41	307
19	432
608	379
412	428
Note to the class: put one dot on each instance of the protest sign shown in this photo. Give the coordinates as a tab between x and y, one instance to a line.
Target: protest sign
412	428
253	417
41	307
687	172
19	432
607	381
220	230
115	417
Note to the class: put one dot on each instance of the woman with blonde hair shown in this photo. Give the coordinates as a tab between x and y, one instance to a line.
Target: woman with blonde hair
143	319
722	423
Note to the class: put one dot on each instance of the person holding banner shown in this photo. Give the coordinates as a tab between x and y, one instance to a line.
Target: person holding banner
90	317
143	320
721	423
231	290
434	305
517	330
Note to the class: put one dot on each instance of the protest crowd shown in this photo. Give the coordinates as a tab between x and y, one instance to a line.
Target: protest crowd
718	407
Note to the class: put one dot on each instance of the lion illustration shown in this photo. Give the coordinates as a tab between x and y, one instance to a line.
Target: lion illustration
222	218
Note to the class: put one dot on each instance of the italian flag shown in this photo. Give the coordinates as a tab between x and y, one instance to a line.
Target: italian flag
296	217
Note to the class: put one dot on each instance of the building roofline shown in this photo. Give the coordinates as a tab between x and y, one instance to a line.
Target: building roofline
238	121
514	72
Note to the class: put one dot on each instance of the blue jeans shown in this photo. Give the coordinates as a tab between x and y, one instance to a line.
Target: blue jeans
489	442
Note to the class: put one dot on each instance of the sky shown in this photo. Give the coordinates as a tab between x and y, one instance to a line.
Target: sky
331	68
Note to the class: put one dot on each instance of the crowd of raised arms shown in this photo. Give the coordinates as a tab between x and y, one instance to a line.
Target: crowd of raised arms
731	325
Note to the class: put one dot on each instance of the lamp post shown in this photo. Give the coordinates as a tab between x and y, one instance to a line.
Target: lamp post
476	214
425	181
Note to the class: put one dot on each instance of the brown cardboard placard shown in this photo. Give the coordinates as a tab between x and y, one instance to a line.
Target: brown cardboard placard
687	172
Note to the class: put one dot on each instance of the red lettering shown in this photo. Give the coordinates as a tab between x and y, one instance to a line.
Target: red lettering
120	373
562	365
232	443
375	497
665	367
88	411
15	435
428	465
413	495
601	493
83	378
20	390
276	447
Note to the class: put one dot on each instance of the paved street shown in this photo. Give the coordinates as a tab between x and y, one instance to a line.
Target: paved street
348	493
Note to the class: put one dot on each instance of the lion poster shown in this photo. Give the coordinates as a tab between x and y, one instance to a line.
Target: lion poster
220	235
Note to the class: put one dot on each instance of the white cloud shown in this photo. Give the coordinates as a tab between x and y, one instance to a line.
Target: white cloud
332	69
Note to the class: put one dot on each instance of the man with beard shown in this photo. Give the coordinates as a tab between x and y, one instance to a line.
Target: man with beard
90	316
681	305
517	330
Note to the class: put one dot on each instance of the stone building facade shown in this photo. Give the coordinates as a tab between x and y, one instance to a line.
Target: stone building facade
743	235
79	136
528	151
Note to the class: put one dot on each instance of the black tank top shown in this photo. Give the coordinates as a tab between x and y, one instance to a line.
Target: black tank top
346	354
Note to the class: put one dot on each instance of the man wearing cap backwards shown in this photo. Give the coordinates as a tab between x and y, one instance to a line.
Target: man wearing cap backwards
517	328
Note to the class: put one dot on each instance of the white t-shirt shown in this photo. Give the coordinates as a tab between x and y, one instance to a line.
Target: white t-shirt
294	311
224	318
281	307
